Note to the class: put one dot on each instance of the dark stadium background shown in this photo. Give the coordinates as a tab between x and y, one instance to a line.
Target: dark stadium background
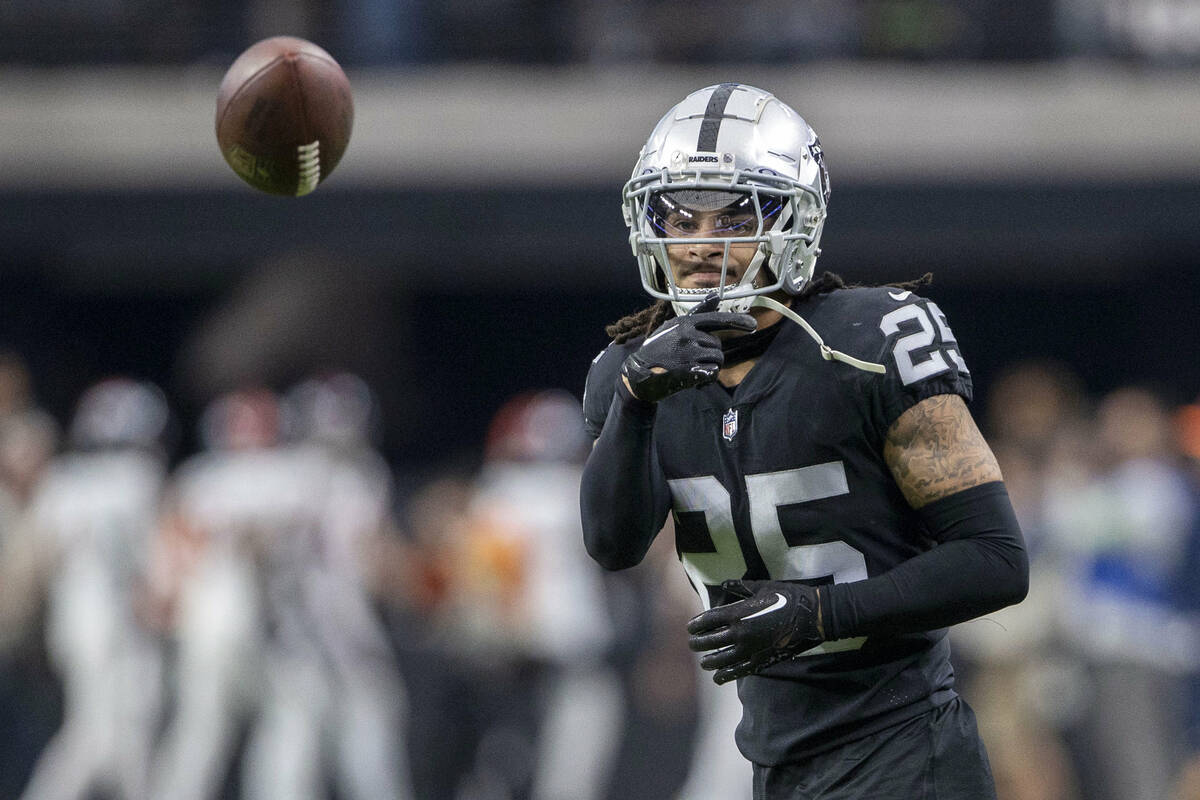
1102	277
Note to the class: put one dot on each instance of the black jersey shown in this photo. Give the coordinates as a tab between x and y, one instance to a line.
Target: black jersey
783	478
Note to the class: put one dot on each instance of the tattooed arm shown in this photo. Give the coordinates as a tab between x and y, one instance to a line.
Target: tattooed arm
935	450
946	472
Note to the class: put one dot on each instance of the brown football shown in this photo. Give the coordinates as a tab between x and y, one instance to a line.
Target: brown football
284	115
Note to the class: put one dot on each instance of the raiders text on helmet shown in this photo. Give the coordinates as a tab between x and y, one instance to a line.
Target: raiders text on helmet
737	149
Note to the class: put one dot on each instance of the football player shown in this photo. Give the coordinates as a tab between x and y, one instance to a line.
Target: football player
274	627
91	520
835	505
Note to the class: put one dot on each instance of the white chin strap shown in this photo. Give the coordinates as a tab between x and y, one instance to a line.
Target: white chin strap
827	352
743	304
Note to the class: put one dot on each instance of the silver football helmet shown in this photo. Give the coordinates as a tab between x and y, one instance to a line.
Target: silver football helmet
737	150
120	412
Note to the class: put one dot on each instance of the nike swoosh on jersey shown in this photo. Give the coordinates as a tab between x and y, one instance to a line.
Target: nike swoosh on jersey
779	603
899	296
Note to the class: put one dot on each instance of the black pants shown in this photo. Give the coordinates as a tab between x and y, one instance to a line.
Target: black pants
934	756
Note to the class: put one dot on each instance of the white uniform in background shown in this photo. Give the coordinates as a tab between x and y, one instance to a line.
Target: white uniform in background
96	512
527	498
365	725
275	628
331	420
238	504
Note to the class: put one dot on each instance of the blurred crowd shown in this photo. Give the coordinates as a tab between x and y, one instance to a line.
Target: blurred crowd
414	32
1089	689
278	614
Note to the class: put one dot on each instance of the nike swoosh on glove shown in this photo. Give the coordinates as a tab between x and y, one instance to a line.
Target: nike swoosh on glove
682	352
776	621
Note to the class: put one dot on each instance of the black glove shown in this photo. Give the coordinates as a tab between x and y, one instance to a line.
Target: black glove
776	621
684	350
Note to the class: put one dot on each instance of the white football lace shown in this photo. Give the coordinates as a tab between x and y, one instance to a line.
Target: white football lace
827	352
309	158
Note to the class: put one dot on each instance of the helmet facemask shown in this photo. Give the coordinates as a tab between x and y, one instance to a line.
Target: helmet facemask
771	213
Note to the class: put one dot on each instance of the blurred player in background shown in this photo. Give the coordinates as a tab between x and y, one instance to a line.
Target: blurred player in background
332	424
835	506
29	715
516	620
222	508
92	519
273	625
556	611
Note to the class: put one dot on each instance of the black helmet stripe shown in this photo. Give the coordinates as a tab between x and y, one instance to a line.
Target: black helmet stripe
713	114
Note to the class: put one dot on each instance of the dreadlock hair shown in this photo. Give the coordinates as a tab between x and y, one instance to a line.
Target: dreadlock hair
641	323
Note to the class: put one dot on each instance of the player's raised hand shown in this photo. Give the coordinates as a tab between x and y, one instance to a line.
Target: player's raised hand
776	621
683	352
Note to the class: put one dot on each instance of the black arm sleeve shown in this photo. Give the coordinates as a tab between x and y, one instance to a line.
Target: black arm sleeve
978	567
623	496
